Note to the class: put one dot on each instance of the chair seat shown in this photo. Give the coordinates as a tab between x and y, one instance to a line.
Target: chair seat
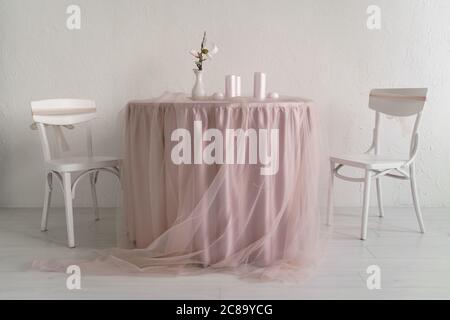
369	161
81	163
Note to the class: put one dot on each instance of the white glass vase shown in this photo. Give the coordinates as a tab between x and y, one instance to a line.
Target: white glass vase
198	91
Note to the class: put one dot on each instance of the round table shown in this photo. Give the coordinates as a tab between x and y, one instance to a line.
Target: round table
221	184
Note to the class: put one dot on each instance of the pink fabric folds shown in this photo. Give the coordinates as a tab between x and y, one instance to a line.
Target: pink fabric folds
192	218
221	215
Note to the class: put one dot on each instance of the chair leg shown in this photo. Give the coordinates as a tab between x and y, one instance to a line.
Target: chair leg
67	182
330	207
380	198
93	178
47	201
415	196
365	213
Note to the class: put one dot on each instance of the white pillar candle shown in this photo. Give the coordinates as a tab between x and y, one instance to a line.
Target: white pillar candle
259	86
238	86
230	86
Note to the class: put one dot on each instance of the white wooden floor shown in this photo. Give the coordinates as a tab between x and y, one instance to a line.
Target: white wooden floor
413	266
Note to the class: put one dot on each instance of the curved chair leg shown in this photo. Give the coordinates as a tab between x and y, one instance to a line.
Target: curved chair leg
365	213
67	183
47	201
416	198
93	177
380	198
330	207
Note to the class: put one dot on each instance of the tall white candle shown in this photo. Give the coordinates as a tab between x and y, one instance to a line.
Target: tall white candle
238	86
230	86
259	86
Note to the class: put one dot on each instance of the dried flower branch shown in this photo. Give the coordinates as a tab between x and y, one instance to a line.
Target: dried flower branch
204	53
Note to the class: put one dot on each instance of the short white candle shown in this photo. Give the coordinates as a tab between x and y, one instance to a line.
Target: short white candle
218	96
238	86
230	86
259	86
274	95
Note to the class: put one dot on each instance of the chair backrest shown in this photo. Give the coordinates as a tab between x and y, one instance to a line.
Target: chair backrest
62	112
398	103
59	113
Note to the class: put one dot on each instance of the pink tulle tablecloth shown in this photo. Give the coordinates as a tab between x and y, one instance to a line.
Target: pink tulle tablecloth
221	215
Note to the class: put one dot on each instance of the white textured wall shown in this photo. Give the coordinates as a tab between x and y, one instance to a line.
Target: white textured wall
132	49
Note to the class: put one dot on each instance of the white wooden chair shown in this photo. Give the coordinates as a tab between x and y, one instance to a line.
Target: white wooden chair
392	102
59	113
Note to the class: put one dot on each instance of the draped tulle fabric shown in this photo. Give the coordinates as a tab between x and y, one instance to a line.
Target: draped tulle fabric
193	218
